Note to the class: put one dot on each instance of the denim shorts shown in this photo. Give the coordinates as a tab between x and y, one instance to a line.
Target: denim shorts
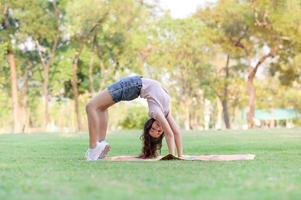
126	89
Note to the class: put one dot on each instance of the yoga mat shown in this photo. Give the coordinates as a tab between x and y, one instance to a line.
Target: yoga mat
232	157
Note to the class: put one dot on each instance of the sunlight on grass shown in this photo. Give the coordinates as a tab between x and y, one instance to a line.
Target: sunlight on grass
52	166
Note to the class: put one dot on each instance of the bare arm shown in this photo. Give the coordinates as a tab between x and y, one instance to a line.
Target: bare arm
169	135
177	135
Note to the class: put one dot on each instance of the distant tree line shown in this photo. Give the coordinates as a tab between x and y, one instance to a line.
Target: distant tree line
56	54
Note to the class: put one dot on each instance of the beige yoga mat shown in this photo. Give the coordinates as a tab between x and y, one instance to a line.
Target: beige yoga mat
232	157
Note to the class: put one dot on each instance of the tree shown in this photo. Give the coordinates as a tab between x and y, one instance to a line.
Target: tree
32	16
253	31
180	48
9	26
105	33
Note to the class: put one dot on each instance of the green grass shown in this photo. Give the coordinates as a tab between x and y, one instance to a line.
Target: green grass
51	166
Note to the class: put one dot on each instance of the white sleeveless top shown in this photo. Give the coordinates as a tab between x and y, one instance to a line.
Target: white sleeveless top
157	97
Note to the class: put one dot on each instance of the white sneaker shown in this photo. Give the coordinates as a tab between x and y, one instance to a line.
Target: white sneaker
105	150
100	151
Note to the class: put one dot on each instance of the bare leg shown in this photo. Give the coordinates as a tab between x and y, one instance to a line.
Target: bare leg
96	112
103	124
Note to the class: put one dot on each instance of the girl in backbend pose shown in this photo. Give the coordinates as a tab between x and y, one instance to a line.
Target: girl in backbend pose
160	124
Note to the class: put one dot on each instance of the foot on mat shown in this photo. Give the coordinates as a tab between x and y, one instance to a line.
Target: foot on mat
99	152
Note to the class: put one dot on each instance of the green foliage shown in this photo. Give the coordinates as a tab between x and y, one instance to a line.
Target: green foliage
5	101
3	50
119	38
182	55
5	111
119	42
82	16
62	73
36	19
135	118
285	21
225	25
271	94
183	58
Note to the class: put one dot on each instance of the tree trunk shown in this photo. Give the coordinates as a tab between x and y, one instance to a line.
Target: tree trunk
106	74
194	120
74	82
250	86
187	118
219	116
225	96
251	94
14	90
46	66
207	114
226	114
102	74
46	96
190	120
45	85
24	111
74	71
187	107
251	75
91	80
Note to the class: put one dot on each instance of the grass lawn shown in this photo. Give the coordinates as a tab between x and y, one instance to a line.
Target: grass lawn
51	166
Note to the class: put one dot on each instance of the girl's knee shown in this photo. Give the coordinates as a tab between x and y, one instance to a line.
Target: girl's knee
90	106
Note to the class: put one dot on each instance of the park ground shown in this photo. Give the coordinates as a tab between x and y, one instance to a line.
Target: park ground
52	166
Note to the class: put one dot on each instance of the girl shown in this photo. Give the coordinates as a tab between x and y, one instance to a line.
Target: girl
161	122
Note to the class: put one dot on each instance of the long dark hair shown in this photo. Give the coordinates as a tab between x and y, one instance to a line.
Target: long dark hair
150	144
